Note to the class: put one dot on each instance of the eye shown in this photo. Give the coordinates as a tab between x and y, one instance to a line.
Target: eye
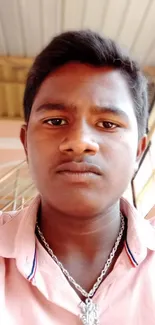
56	122
107	125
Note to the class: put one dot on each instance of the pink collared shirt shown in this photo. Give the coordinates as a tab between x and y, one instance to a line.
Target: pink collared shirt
33	290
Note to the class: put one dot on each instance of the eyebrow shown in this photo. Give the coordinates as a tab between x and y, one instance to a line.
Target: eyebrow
55	106
94	109
114	110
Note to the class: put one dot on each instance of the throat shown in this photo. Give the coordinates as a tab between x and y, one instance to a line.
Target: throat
84	237
84	262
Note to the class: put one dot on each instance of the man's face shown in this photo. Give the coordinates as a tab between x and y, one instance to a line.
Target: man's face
82	138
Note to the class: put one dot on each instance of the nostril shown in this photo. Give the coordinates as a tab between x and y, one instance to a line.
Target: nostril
69	150
77	147
87	150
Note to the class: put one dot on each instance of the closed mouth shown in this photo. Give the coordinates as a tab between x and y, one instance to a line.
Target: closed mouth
79	168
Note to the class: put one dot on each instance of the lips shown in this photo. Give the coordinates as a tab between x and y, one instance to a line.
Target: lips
79	168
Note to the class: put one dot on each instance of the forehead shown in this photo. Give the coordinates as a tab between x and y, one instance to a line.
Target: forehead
76	82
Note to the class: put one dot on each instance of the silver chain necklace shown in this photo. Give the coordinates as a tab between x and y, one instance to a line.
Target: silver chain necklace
89	310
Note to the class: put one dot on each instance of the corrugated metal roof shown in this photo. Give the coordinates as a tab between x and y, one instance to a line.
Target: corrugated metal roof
26	26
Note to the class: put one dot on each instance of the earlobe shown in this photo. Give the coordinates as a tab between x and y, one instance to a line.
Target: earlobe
23	137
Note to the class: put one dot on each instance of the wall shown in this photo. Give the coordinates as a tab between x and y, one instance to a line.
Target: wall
11	150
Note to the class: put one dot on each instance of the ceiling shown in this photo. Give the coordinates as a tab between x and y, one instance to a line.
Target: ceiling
26	26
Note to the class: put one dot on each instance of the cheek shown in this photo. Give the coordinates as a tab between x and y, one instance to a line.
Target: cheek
121	155
39	149
43	157
120	163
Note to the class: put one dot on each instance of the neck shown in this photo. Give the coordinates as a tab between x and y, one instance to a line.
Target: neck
89	235
82	245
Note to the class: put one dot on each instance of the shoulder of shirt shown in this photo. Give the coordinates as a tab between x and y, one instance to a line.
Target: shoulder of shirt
9	225
13	223
6	217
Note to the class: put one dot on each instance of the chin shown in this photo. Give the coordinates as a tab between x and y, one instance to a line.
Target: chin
78	205
79	201
81	210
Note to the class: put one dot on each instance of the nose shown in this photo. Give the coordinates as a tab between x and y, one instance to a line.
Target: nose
79	143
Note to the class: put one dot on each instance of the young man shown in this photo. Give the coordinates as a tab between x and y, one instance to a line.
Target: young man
80	254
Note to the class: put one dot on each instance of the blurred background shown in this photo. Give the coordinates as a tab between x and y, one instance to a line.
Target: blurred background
26	26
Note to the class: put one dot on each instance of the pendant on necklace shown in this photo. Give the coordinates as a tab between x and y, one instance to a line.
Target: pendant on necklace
89	314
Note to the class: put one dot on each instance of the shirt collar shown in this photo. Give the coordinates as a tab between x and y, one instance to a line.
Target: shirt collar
18	240
140	234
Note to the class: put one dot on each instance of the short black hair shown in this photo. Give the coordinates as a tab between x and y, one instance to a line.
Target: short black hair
90	48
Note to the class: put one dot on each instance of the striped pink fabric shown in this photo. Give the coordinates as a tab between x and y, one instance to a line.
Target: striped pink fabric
33	290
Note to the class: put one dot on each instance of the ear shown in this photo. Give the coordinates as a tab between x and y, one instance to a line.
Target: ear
141	147
23	138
